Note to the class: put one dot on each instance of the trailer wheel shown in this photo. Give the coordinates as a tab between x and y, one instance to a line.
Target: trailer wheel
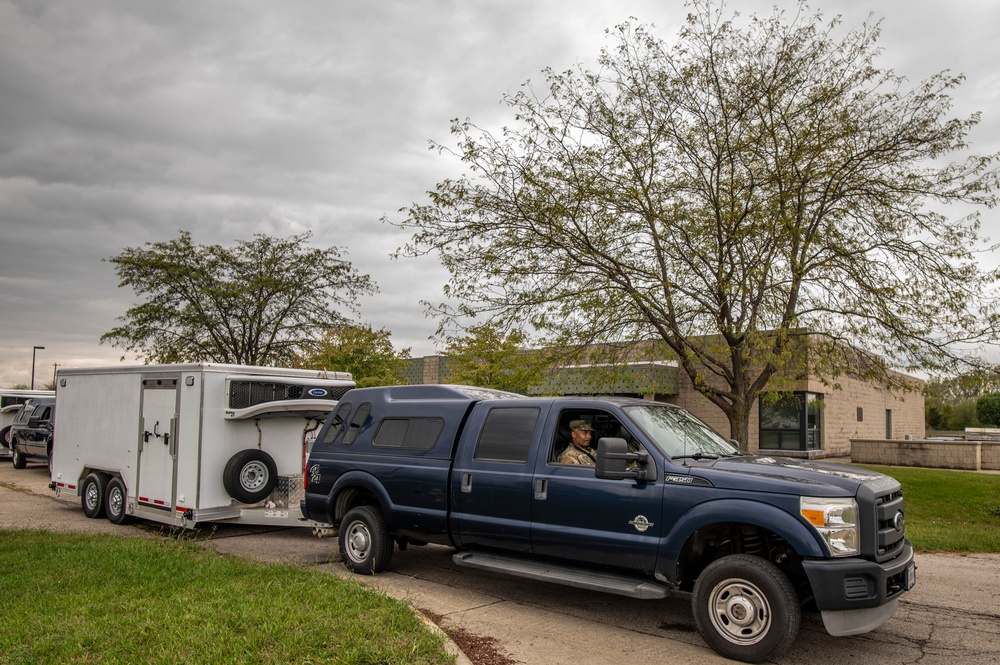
746	608
365	545
92	493
17	458
250	476
5	437
114	502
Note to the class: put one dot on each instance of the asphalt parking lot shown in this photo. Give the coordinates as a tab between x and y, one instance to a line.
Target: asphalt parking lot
952	616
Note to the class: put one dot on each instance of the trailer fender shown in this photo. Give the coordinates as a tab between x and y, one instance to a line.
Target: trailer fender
804	540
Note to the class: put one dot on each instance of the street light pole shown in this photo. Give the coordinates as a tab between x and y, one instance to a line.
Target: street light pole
33	350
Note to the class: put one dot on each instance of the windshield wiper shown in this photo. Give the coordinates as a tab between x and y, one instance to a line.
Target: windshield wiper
697	455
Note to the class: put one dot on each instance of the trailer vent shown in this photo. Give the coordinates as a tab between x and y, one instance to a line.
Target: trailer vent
244	394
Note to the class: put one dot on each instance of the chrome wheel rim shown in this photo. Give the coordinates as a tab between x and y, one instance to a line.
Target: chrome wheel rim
358	542
253	476
739	611
93	496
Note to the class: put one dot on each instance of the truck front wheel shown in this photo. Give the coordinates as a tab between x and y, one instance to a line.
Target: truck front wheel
17	458
746	608
365	545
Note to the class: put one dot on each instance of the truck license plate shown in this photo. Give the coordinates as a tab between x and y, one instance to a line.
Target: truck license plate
911	576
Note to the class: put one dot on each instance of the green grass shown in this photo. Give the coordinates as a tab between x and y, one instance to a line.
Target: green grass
68	598
949	511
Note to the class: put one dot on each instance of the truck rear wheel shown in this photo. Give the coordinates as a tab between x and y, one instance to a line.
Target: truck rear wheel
746	608
365	545
250	476
114	501
92	494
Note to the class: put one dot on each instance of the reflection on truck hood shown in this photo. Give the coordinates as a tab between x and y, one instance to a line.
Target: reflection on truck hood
748	471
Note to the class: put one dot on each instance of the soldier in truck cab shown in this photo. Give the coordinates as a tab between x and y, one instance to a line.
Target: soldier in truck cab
579	451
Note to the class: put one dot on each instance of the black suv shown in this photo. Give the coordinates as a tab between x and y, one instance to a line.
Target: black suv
31	433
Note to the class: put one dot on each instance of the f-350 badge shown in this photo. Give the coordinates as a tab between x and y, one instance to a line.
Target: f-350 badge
640	523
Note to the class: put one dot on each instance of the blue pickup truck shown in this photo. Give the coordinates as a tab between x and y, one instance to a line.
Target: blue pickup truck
668	505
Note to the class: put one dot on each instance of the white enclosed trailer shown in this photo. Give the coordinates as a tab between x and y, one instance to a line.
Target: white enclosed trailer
189	443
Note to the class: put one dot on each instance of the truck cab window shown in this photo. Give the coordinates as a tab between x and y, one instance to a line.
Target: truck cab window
602	424
507	433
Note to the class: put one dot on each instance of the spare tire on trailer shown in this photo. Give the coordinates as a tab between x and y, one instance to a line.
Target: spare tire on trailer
250	476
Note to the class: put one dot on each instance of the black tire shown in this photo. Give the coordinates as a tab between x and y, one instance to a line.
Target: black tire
115	499
746	608
5	437
250	476
365	545
17	458
92	494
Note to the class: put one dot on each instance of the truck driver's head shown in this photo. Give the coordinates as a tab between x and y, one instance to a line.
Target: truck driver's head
580	432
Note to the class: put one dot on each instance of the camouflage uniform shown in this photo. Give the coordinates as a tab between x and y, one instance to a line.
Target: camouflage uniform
578	456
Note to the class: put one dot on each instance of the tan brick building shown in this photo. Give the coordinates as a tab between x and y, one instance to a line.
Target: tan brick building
810	418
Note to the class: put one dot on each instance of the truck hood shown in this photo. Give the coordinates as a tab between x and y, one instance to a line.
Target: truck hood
767	474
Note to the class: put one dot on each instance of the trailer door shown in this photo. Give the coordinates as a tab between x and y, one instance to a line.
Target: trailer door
157	442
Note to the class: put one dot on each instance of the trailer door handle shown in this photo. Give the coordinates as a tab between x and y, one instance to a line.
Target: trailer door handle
467	482
541	489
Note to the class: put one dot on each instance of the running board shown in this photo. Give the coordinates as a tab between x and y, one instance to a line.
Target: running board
634	587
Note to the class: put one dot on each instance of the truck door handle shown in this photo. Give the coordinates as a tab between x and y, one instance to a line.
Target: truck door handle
467	482
541	489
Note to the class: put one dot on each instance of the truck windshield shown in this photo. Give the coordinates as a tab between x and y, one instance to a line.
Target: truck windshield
678	433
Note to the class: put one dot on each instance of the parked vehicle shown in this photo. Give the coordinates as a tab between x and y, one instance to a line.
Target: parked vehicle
668	505
190	443
32	432
11	400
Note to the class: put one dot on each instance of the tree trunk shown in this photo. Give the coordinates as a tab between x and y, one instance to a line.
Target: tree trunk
739	422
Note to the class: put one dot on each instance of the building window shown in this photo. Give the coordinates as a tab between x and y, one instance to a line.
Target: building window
790	421
861	414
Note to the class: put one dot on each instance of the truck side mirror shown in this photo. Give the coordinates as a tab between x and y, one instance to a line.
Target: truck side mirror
613	458
34	422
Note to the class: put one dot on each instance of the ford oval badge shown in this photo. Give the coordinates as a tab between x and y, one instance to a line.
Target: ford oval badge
317	392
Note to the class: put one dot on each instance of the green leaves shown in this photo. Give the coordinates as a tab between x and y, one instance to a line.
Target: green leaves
259	302
366	353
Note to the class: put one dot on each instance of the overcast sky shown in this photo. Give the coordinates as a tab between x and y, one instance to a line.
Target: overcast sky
122	122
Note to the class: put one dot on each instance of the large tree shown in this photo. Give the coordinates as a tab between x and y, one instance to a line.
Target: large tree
752	186
366	353
262	301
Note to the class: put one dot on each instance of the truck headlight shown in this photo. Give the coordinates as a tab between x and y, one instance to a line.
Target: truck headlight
836	520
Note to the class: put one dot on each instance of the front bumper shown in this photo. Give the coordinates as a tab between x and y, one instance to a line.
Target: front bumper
851	584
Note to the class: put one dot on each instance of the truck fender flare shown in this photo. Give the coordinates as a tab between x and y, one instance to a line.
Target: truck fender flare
354	480
804	540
